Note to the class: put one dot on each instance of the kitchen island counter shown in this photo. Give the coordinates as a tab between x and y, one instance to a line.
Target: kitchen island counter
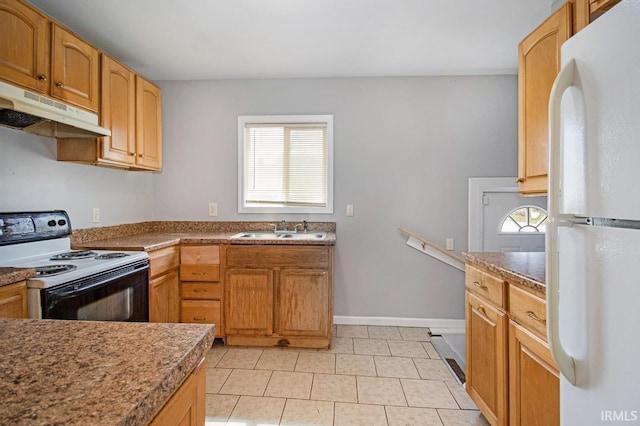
526	268
90	372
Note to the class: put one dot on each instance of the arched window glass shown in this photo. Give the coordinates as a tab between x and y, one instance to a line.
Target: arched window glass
525	219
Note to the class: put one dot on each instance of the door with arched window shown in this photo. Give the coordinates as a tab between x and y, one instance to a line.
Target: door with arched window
513	223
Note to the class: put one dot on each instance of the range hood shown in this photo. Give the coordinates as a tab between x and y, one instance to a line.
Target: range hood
24	110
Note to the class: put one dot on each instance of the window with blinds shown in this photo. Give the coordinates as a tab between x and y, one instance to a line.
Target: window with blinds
285	164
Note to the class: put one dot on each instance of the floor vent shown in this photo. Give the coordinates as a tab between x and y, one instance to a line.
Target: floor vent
455	368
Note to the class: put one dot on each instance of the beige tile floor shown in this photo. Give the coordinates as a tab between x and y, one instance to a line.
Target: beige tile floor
372	375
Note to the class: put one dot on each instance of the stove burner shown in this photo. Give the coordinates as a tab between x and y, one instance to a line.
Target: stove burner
47	271
111	256
73	255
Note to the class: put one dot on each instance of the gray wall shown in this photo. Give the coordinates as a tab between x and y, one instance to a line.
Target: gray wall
404	149
32	179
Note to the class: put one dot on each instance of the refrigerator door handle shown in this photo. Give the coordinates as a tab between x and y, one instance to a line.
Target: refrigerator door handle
566	364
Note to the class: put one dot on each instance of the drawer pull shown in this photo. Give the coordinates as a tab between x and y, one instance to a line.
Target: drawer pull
483	287
199	290
482	310
531	314
199	318
198	273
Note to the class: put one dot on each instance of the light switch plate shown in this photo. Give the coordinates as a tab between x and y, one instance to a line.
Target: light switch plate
213	209
349	210
96	215
450	244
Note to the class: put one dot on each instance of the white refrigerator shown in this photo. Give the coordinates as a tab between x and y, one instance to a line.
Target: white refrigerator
593	239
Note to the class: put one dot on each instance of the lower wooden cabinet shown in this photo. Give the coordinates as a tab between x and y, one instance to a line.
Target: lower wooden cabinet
534	385
279	295
164	285
511	375
486	377
13	300
200	285
187	406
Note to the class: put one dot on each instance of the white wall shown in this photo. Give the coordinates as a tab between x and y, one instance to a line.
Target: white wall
32	179
404	149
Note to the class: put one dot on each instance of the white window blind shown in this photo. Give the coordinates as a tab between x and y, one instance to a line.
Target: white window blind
286	164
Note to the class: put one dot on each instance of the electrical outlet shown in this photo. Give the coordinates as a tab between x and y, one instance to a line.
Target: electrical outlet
213	209
96	215
349	210
450	244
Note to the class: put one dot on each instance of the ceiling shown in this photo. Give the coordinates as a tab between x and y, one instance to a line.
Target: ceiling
222	39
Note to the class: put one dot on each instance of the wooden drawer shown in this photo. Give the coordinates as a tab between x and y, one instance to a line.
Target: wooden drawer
528	310
204	290
201	311
200	255
278	256
486	285
163	260
199	272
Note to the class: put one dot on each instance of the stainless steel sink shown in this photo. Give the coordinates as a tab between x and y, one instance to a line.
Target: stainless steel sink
307	236
278	236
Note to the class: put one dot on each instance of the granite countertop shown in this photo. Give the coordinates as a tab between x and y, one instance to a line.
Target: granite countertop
94	373
524	268
14	275
156	240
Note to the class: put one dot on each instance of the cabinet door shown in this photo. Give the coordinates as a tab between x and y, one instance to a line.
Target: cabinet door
187	406
486	334
164	298
302	300
249	302
148	125
118	112
75	70
13	301
534	386
24	46
538	65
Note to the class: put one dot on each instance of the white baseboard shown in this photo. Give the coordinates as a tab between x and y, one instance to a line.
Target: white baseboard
436	325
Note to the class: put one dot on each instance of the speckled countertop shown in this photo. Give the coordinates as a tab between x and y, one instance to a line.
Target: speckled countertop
55	372
149	236
14	275
527	269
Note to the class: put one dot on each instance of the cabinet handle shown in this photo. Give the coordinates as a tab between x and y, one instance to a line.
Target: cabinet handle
199	318
60	84
483	287
42	77
199	290
482	310
198	273
531	314
140	155
133	154
519	180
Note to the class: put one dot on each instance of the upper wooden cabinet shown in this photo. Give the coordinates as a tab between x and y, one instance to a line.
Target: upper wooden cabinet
75	70
538	65
40	55
118	112
148	125
24	46
131	108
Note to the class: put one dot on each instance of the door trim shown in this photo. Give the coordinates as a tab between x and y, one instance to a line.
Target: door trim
477	189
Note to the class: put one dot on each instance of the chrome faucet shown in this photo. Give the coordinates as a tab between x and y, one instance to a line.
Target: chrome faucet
284	229
304	227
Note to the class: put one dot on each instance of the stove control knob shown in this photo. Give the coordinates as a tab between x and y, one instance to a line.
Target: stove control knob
51	223
62	222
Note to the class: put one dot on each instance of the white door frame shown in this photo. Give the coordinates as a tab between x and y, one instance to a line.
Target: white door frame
477	189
